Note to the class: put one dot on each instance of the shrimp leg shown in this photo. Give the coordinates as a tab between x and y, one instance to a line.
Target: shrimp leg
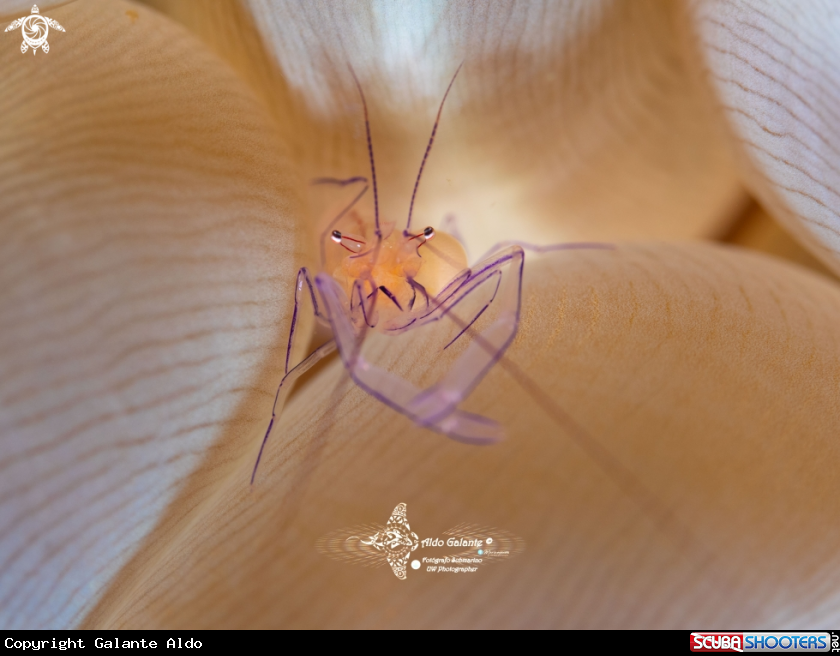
436	407
303	283
488	347
436	402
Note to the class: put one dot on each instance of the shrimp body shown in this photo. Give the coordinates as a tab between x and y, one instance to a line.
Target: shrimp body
404	269
393	281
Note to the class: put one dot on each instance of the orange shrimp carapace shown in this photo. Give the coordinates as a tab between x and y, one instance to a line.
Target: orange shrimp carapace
401	267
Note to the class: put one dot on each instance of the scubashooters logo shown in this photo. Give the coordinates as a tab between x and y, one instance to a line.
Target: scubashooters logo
795	641
372	545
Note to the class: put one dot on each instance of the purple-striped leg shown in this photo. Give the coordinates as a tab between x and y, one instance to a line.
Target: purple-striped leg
302	285
436	406
487	347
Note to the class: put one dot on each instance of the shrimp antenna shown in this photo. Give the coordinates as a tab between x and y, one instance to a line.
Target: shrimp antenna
370	153
429	147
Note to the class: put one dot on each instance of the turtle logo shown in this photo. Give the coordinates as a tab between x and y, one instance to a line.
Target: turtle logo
35	29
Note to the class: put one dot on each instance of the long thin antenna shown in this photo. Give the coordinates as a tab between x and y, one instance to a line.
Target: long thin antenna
429	147
370	154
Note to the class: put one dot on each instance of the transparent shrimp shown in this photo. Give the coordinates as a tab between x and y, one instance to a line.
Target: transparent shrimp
378	279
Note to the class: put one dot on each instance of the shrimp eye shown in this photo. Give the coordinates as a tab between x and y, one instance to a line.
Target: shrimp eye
426	235
347	242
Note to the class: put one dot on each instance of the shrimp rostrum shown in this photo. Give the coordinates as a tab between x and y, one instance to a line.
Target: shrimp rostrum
380	280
